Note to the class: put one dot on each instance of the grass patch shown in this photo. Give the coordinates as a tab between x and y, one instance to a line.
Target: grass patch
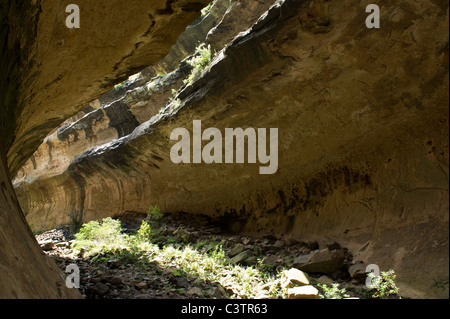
332	291
103	241
384	285
205	259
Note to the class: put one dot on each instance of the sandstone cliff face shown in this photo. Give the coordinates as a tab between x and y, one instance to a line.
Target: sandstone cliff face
48	73
118	112
363	140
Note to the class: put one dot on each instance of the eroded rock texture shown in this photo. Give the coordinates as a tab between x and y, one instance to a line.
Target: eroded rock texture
363	140
50	72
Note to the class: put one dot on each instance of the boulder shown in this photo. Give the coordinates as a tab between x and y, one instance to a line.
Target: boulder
303	292
320	261
358	271
293	278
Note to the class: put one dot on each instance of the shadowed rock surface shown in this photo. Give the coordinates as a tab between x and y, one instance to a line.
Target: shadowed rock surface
363	140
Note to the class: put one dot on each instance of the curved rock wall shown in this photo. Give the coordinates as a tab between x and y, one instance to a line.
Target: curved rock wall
363	140
48	73
118	112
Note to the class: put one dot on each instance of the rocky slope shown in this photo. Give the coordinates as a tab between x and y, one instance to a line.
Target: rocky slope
363	140
243	267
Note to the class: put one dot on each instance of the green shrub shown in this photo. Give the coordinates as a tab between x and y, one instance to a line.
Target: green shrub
333	291
200	62
154	213
384	285
95	237
144	232
106	231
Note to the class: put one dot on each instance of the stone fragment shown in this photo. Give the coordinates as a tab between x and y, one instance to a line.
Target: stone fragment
240	258
117	281
99	289
279	243
236	250
220	292
141	286
325	280
303	292
114	263
47	245
182	282
195	291
293	278
358	271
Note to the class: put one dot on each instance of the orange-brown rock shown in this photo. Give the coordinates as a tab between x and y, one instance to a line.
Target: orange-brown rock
363	140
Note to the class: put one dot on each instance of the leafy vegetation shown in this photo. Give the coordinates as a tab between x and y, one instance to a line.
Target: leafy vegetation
206	9
205	260
119	86
199	62
150	247
332	291
154	213
383	285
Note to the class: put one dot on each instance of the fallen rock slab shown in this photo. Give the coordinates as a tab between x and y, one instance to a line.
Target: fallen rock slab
320	261
240	258
294	278
304	292
358	271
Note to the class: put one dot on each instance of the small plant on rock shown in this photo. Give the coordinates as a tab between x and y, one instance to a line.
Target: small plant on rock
206	9
200	62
